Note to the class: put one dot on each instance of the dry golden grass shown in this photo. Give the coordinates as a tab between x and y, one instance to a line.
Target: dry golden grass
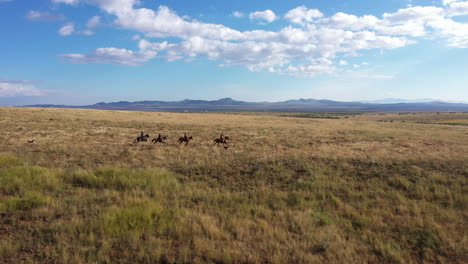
288	190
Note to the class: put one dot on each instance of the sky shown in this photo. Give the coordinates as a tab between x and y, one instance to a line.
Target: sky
79	52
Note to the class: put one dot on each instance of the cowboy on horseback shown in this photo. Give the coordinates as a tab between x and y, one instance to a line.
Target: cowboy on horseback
160	139
221	136
185	139
142	137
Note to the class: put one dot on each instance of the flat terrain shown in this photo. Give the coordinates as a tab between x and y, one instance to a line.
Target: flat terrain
291	188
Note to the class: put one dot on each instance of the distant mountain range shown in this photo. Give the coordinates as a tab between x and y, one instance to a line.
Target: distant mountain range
300	105
407	101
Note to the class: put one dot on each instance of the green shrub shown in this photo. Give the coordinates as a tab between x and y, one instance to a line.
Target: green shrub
293	200
322	219
423	239
359	223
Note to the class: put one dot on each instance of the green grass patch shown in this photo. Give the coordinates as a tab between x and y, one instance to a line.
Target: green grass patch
7	160
19	180
123	179
322	218
138	219
27	202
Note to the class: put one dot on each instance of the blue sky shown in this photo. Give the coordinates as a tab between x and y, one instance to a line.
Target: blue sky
86	51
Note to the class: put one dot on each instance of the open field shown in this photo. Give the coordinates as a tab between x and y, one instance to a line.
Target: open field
370	188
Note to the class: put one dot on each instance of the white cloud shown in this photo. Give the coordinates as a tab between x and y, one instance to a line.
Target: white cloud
43	16
95	21
312	44
111	56
166	23
266	16
15	88
382	76
418	13
301	15
67	29
237	14
66	1
457	9
447	2
86	32
346	21
317	67
342	63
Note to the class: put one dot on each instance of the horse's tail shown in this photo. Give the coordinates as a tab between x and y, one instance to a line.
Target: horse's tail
136	140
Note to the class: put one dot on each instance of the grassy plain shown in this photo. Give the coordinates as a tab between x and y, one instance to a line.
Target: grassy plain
322	188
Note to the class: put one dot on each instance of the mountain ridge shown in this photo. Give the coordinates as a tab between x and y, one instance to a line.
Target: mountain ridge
294	105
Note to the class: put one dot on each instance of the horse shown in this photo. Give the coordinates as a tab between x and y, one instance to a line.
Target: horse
159	139
223	141
141	138
185	139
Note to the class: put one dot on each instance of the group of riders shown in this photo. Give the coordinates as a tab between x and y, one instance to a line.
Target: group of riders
160	138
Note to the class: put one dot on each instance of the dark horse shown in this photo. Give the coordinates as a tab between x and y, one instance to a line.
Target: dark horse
223	141
185	139
141	138
159	139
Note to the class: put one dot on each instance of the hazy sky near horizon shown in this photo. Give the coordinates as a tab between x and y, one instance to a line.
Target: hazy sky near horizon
85	51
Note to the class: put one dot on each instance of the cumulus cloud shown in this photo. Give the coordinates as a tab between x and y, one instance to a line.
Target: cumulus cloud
346	21
164	22
301	15
111	56
266	16
457	9
447	2
312	44
67	29
43	16
9	88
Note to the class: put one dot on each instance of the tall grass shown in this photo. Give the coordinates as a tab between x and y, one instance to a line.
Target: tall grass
288	190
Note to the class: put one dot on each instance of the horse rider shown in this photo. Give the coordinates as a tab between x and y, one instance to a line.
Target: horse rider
221	136
141	134
160	137
185	135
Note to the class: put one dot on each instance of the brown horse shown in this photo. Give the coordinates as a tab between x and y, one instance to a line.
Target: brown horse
141	138
159	139
223	141
185	139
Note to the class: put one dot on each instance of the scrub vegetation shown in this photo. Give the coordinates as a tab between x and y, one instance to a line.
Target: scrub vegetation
291	188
